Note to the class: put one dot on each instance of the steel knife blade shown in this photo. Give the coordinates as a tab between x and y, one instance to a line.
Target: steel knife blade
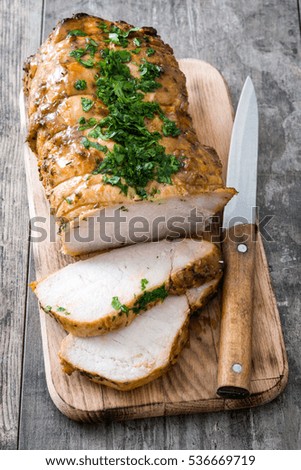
239	245
242	160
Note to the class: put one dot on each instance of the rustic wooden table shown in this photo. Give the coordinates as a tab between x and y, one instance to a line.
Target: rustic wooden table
259	38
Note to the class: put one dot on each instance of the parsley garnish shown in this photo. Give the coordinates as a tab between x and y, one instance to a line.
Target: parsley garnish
63	310
76	32
84	124
117	36
149	297
148	70
48	308
103	27
136	157
137	42
89	63
88	143
144	283
169	127
86	104
77	53
91	47
117	305
150	51
80	84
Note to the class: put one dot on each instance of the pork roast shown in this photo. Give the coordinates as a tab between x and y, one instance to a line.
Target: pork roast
108	120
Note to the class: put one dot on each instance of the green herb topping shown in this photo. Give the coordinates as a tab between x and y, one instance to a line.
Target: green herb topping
137	42
169	127
150	51
117	36
144	283
48	308
86	104
149	297
88	143
80	84
117	305
137	157
89	63
91	47
63	310
77	32
86	124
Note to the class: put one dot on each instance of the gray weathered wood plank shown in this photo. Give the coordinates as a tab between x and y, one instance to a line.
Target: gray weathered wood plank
259	38
18	39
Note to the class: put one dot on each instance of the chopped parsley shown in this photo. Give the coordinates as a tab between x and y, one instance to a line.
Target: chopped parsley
149	297
80	84
86	104
88	143
169	127
103	27
144	283
137	42
86	124
91	47
119	307
142	302
68	200
117	36
148	70
77	53
150	51
89	63
76	32
63	310
137	157
48	308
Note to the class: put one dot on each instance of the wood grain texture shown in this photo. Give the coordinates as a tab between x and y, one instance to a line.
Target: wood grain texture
190	386
16	43
262	39
235	345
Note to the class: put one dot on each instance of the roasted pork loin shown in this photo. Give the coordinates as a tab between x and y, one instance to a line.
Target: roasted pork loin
108	121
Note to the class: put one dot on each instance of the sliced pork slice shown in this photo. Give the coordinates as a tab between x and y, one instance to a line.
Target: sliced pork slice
135	355
108	291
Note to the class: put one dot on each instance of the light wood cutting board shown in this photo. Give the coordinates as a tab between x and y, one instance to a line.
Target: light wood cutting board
190	385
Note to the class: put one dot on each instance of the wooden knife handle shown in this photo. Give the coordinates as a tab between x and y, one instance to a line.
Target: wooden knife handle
235	349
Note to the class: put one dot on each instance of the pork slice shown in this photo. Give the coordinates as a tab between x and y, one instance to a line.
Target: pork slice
141	352
109	290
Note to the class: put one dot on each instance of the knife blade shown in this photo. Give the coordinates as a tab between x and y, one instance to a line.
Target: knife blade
239	245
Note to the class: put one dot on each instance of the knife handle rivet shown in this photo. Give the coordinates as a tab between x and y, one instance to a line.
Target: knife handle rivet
237	368
242	248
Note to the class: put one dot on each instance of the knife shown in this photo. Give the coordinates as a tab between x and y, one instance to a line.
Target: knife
239	244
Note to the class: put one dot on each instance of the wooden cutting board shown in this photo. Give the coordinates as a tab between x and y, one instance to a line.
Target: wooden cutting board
189	386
